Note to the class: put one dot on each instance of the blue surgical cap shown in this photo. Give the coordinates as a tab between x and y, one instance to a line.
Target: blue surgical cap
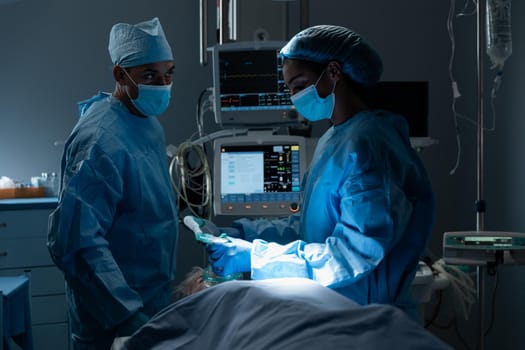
325	43
134	45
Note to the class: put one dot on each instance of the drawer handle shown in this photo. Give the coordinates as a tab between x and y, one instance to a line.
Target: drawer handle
3	254
3	224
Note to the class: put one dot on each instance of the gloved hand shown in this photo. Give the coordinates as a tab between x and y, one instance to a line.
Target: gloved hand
229	255
132	324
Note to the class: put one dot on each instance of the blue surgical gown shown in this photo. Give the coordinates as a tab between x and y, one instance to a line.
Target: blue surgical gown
114	232
366	215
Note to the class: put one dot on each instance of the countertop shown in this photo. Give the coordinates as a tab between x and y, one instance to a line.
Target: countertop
28	203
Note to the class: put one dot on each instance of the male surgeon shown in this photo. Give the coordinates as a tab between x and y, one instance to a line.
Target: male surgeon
114	232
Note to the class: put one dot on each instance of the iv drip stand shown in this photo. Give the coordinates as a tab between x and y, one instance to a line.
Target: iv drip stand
480	203
495	254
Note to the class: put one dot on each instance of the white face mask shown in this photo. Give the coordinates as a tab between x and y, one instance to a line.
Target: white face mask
312	106
152	99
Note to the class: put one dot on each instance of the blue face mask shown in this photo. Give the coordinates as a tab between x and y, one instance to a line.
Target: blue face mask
152	99
312	106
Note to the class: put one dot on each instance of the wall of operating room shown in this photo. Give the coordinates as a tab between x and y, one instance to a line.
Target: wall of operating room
53	53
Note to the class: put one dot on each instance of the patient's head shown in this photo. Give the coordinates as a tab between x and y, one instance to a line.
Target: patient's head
201	278
191	284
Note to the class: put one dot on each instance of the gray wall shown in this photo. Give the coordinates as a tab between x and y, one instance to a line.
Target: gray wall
53	53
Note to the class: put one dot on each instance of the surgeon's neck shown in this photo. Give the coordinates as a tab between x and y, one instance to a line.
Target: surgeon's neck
346	107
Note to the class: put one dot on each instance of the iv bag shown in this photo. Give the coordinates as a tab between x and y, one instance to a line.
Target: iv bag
499	40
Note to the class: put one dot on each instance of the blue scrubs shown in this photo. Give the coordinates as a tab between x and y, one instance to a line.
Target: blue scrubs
114	232
366	215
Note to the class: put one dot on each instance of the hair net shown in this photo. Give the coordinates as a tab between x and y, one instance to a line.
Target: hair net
134	45
325	43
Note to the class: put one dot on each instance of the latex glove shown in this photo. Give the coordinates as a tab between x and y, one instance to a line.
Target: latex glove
229	255
132	324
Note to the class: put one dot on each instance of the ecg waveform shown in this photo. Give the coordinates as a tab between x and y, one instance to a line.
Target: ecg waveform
249	76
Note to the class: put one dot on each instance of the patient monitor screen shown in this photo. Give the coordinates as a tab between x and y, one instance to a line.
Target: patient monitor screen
258	179
252	80
248	85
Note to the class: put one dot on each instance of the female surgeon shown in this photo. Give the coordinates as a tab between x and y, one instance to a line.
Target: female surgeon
368	207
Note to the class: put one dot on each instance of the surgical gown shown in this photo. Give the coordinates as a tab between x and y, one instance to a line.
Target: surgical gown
365	219
114	232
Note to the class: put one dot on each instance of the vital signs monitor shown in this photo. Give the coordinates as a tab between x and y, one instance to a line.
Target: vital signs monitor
258	174
248	85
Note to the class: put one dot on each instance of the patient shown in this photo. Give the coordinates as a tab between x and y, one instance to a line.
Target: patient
192	284
286	313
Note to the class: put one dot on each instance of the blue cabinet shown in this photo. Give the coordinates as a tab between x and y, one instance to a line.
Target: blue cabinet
23	237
